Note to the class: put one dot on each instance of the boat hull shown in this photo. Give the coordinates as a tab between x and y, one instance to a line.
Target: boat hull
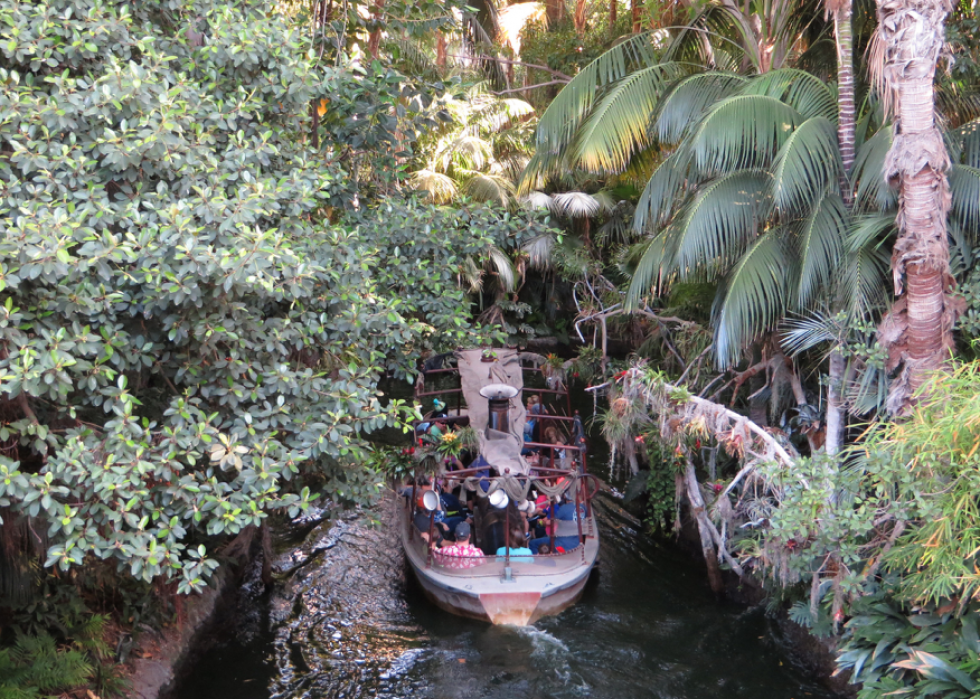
484	593
509	608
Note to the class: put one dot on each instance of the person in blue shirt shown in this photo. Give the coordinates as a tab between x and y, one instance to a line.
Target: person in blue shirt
520	554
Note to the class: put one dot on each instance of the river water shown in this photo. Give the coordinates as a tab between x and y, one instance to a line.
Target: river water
347	621
350	622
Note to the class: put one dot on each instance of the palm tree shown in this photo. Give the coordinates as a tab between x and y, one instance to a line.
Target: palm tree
917	330
747	190
480	152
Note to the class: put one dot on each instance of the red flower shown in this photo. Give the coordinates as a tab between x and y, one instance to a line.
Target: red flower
412	450
575	374
718	487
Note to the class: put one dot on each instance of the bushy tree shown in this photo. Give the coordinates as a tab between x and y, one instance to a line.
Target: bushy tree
186	342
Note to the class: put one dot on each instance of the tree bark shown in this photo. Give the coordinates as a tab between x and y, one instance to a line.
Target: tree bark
847	115
835	404
846	129
918	332
441	50
374	40
555	12
636	8
579	17
701	517
613	9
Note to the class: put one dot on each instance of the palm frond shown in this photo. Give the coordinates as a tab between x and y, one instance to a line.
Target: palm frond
712	38
714	226
576	205
805	333
820	241
539	251
806	165
566	113
683	107
958	106
869	173
469	151
440	188
961	249
619	125
964	185
501	264
497	113
660	195
743	131
803	91
534	177
607	200
490	188
619	226
965	143
870	231
864	282
869	390
644	264
510	166
752	299
537	200
472	275
412	55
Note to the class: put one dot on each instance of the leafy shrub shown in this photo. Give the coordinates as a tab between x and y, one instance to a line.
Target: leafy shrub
192	329
893	652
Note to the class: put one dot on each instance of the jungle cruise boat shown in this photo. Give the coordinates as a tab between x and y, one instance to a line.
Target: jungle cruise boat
527	473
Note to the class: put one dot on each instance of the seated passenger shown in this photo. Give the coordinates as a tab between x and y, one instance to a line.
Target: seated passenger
562	543
566	512
439	408
543	550
462	554
518	539
421	521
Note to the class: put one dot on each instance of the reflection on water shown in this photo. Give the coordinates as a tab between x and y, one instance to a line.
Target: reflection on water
348	624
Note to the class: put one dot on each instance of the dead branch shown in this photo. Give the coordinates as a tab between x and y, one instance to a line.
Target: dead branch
551	71
529	87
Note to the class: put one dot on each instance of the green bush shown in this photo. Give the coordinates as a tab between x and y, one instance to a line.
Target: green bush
195	306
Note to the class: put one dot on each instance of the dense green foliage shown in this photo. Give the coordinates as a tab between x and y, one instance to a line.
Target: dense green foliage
188	343
928	652
208	263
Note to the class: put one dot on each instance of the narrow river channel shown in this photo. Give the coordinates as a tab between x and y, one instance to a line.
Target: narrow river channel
351	623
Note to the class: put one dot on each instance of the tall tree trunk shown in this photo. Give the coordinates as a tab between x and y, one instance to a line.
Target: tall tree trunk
374	40
613	8
555	12
846	128
441	50
847	117
579	17
918	330
636	8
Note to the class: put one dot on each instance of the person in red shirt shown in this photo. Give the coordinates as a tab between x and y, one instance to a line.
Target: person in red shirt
462	554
